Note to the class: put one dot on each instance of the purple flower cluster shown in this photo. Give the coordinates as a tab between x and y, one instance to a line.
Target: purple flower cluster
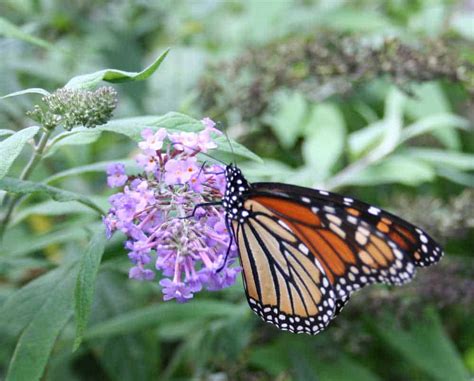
154	211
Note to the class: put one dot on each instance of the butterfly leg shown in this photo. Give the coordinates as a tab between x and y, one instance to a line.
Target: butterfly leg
227	225
201	205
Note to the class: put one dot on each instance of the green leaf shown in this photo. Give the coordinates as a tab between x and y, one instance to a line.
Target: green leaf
27	91
78	136
54	208
269	170
85	284
141	349
381	137
393	122
430	100
179	122
115	76
21	307
164	312
462	161
366	139
173	122
5	132
29	187
456	176
234	149
43	323
288	121
434	123
7	29
130	127
11	147
426	346
344	369
91	168
394	169
325	131
39	242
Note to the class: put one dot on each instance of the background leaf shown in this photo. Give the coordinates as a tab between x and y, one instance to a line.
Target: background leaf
85	284
7	29
29	187
426	345
288	120
325	132
394	169
12	146
43	325
115	76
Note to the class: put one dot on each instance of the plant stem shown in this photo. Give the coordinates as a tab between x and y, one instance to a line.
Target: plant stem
33	162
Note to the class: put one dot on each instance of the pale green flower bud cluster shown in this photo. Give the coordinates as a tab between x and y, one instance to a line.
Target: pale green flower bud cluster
75	107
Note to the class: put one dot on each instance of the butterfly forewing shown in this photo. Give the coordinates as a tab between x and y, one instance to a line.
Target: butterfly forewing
354	240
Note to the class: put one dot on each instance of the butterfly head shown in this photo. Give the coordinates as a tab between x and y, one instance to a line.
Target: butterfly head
236	186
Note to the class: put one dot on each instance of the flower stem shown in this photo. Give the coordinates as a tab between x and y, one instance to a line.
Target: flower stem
33	162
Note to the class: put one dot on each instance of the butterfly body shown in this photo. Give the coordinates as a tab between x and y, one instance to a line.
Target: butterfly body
305	251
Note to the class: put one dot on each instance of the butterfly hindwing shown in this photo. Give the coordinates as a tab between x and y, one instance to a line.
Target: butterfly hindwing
284	283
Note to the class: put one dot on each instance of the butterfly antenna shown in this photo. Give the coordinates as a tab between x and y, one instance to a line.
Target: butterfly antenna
230	145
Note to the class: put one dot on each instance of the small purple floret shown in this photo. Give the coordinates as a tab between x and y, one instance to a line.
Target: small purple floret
116	176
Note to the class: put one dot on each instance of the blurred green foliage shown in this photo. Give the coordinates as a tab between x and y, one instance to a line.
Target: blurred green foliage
399	136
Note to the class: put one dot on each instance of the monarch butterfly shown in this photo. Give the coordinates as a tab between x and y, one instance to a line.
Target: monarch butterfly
304	252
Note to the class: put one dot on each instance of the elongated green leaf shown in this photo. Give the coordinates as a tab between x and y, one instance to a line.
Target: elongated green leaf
115	76
433	123
458	160
20	308
344	369
426	346
179	122
430	100
54	208
5	132
270	170
27	91
456	176
234	148
7	29
394	169
173	122
130	127
85	284
141	349
90	168
163	312
324	144
381	137
43	326
29	187
393	122
11	147
293	354
365	139
76	137
63	235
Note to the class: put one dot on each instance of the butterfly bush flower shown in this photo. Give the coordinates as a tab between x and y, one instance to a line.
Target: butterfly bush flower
156	211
